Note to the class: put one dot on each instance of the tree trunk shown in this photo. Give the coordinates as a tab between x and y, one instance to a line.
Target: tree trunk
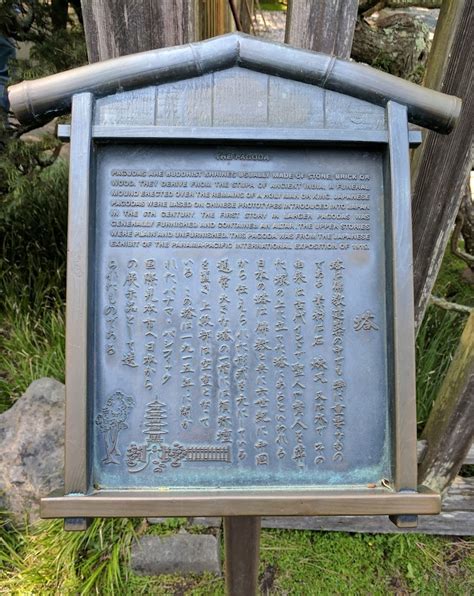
118	27
441	164
247	8
398	44
322	25
449	429
467	229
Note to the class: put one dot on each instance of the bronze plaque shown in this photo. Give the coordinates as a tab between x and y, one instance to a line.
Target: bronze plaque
239	314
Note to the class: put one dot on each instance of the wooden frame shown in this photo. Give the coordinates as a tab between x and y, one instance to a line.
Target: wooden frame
79	501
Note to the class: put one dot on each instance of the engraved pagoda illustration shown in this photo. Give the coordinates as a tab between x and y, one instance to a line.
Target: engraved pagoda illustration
159	454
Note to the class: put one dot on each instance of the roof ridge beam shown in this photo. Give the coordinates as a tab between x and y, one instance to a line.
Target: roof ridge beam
37	101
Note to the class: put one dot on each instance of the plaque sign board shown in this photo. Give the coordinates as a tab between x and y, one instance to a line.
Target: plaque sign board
240	336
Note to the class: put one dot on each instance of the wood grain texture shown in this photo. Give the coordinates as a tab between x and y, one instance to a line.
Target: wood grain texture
322	25
450	429
358	501
457	523
119	27
242	544
440	165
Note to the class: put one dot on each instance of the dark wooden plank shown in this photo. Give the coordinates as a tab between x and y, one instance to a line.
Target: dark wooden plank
440	165
460	496
322	25
119	27
455	523
449	430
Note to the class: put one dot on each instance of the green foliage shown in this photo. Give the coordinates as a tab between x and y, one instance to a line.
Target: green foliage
57	51
33	220
33	224
46	560
31	347
52	561
451	283
435	346
337	563
273	5
52	48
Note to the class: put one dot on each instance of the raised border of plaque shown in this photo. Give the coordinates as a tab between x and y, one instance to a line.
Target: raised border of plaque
391	137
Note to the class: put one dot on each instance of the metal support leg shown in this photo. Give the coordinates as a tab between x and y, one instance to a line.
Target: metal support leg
242	544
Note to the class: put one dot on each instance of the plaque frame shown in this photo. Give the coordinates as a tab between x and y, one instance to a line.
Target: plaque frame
403	498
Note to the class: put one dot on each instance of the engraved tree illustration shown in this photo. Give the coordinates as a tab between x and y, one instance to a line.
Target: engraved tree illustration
111	420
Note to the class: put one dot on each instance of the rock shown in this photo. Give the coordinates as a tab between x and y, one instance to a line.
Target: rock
207	522
154	521
182	553
32	449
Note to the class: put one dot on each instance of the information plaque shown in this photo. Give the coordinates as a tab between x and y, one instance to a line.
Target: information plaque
240	317
240	335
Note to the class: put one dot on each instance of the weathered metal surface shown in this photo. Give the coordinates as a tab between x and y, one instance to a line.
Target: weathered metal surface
358	501
34	100
240	317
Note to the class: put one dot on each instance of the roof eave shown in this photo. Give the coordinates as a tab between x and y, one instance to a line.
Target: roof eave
39	100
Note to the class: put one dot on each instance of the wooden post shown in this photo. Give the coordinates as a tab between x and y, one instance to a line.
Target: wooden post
242	544
322	25
118	27
449	430
440	165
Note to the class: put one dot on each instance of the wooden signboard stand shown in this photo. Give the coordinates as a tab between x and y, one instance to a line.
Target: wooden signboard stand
240	334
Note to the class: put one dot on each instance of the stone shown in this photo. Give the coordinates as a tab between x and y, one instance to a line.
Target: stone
154	521
207	522
32	449
181	553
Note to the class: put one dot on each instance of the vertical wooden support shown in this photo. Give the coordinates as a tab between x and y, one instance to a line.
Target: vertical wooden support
322	25
449	430
403	339
440	165
118	27
75	479
242	544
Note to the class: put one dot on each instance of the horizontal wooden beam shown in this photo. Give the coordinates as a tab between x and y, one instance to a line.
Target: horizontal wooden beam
243	133
361	501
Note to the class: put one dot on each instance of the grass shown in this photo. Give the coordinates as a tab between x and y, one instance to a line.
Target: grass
31	347
436	344
274	6
33	221
46	560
